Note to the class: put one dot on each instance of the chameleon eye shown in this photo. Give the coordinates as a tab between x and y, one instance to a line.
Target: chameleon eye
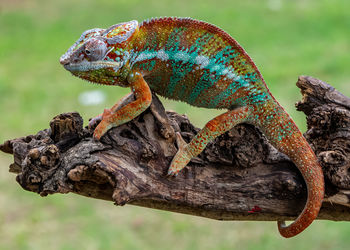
94	49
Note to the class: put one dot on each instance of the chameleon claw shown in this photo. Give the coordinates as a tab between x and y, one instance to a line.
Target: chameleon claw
172	173
181	158
101	129
96	135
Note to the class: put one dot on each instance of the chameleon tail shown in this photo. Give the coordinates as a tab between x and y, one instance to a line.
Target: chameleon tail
283	134
315	187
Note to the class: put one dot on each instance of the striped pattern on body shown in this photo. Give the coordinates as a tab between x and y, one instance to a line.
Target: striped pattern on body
196	62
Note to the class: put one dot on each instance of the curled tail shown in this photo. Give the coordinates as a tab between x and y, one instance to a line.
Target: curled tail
313	175
283	134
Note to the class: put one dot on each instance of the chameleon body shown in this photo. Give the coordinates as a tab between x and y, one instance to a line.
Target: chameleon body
198	63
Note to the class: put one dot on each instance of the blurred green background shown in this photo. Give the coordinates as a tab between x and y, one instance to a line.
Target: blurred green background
285	38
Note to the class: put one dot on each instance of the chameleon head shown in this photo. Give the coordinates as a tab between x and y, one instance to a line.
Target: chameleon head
100	54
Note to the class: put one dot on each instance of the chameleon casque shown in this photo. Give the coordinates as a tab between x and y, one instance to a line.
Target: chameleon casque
200	64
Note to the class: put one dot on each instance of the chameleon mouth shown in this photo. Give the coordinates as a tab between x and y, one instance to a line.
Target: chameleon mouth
88	66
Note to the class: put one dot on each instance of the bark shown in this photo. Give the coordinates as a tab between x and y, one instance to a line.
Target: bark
239	176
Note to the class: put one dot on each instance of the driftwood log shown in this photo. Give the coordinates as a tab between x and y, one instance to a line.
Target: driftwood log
239	176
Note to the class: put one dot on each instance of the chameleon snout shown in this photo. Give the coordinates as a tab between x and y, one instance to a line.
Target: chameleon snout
64	61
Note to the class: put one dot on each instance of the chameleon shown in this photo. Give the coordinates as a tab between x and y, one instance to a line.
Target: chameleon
198	63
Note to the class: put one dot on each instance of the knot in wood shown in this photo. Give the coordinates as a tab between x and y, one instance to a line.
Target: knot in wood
66	127
287	187
38	165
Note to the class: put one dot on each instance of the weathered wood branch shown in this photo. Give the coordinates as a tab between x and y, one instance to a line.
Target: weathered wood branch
235	173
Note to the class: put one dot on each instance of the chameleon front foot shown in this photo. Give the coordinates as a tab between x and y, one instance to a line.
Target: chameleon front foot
181	158
104	124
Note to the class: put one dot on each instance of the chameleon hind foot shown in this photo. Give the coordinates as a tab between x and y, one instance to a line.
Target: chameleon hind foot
212	129
181	158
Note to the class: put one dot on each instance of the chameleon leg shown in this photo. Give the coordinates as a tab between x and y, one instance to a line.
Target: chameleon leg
212	129
94	121
121	102
114	117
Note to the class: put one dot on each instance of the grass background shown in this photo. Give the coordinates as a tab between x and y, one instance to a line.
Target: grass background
285	39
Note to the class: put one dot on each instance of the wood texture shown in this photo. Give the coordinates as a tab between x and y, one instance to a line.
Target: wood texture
240	170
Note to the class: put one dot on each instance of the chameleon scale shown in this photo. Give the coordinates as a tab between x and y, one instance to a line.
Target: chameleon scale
198	63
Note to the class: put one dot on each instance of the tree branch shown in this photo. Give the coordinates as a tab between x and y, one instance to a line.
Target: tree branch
239	176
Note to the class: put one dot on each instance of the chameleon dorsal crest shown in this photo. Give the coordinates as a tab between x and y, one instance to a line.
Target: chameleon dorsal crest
121	32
